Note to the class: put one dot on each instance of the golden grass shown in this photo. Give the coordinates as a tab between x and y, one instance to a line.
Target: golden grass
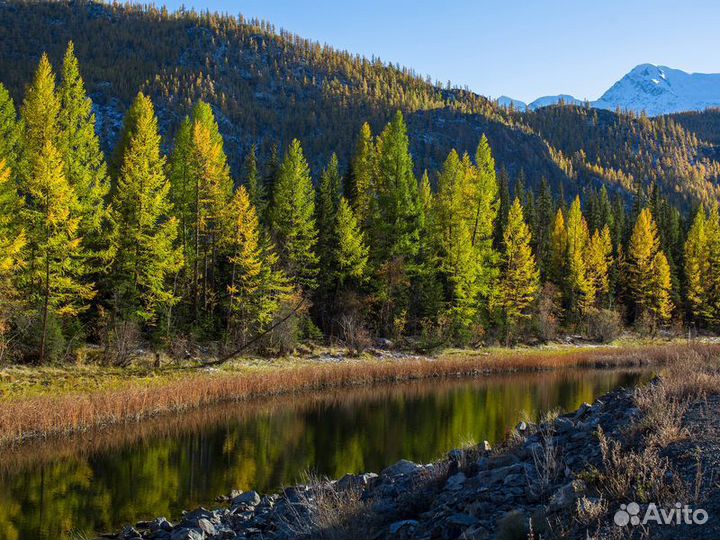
45	415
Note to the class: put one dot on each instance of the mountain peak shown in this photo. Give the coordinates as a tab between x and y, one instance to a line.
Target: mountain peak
662	90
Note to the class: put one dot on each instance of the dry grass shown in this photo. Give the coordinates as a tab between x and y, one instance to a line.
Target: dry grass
662	414
641	476
45	415
325	511
664	402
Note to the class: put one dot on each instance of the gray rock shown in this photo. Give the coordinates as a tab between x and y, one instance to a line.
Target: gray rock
477	532
455	455
455	482
563	497
501	461
250	498
582	410
515	480
396	527
160	524
207	527
462	520
563	425
130	533
184	533
403	466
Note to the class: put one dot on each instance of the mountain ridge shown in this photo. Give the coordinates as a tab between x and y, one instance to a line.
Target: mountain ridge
647	88
267	88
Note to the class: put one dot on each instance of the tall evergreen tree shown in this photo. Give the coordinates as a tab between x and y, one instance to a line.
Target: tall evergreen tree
542	235
12	242
201	188
579	288
58	263
328	203
504	207
40	118
648	270
558	245
520	279
364	176
697	268
255	289
293	219
396	225
10	130
85	167
352	252
254	183
147	256
453	235
396	229
183	185
599	260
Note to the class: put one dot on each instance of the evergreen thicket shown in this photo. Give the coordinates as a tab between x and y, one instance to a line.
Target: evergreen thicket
171	249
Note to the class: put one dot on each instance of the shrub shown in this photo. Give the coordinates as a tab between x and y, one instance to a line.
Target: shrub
604	325
547	319
353	333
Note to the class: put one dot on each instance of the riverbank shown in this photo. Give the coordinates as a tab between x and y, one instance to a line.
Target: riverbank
49	401
649	449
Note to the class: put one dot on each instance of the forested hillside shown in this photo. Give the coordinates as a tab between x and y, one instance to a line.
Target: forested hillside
268	87
564	219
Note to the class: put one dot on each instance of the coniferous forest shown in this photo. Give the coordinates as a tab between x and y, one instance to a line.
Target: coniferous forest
139	247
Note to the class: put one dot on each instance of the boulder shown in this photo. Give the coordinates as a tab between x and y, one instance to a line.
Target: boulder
402	467
395	528
455	482
462	520
185	533
249	498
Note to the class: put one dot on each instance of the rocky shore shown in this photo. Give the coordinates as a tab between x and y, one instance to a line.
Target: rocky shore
565	476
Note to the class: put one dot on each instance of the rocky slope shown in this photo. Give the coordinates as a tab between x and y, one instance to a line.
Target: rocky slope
566	477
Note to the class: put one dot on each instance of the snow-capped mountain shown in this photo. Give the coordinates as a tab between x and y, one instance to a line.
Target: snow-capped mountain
554	100
505	101
662	90
654	89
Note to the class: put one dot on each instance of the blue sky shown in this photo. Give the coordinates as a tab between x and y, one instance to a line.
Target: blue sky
523	49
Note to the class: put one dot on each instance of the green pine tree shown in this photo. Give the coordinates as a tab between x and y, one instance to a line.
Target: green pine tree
10	130
147	257
85	167
364	176
520	278
255	185
648	270
57	265
255	289
293	219
12	244
697	268
39	117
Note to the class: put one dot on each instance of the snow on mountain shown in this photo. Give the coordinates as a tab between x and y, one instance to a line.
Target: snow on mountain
553	100
654	89
662	90
505	101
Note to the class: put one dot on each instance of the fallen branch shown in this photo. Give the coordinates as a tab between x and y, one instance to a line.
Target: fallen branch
257	338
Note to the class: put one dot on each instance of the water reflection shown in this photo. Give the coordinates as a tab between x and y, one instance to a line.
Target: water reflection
98	481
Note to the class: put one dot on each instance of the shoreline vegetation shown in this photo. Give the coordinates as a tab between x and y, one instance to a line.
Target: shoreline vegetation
45	402
562	476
